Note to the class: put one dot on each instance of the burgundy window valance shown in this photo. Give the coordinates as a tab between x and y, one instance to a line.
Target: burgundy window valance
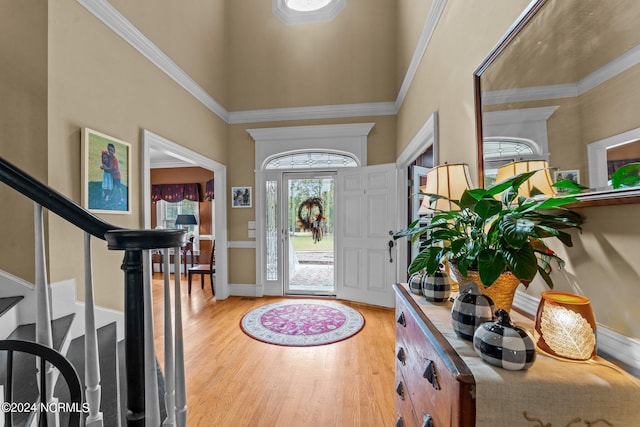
175	193
208	192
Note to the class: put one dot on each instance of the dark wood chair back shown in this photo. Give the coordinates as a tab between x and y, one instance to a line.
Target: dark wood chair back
46	355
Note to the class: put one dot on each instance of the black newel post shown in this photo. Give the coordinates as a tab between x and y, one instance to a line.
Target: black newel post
134	336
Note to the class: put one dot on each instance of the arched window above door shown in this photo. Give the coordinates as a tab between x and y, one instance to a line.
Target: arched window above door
311	160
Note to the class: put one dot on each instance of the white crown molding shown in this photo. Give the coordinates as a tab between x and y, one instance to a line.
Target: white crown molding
294	17
425	37
522	115
315	112
306	132
113	19
533	93
568	90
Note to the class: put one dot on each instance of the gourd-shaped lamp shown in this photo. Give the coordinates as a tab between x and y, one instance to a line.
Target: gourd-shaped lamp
565	326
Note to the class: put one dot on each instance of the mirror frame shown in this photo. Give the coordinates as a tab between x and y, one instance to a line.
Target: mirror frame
595	198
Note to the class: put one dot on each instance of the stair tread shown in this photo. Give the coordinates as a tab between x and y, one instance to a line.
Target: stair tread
107	350
25	383
6	303
59	331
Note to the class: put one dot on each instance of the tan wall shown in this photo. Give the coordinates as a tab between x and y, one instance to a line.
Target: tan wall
603	262
99	81
23	123
348	60
190	32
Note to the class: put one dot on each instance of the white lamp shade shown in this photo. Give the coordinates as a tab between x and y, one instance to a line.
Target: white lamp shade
541	180
448	180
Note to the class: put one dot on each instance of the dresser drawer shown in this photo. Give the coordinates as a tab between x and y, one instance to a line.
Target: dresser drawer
437	382
404	406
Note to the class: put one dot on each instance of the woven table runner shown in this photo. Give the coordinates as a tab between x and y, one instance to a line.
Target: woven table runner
552	393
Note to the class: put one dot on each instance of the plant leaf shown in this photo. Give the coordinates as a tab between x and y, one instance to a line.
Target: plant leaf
491	265
516	230
522	262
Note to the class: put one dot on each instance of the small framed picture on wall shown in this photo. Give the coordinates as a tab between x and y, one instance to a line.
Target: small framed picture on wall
240	197
570	174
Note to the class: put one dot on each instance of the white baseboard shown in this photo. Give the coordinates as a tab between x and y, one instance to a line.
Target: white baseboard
624	349
243	290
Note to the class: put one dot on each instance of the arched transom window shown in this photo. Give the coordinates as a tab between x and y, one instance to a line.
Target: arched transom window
311	160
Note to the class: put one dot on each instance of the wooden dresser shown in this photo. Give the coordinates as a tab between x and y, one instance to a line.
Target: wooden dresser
441	381
434	387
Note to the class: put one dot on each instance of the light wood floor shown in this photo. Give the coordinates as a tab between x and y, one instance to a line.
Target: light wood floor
234	380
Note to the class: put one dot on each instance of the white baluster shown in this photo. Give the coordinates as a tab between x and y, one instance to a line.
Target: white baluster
93	390
169	369
43	308
181	386
151	403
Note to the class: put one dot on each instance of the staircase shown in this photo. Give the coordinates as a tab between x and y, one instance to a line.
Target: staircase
113	354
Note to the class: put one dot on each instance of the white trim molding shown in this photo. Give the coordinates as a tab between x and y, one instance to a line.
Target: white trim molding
241	244
350	138
314	112
423	42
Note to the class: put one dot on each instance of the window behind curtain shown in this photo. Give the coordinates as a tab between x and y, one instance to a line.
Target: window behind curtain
166	214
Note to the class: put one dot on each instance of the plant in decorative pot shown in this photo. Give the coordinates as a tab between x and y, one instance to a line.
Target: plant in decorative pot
496	238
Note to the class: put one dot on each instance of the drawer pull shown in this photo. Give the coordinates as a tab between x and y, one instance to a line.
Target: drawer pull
400	422
400	390
401	320
427	421
430	373
401	356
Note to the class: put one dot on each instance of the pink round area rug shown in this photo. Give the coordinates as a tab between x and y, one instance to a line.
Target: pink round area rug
302	323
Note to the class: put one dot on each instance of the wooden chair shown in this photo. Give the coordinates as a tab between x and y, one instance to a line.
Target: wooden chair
45	354
203	270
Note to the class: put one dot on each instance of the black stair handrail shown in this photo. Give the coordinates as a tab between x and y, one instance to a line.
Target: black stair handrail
117	237
132	242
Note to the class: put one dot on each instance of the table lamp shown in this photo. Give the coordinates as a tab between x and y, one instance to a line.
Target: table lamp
565	326
186	220
448	180
539	184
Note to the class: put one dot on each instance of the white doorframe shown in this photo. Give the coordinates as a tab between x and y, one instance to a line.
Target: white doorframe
426	137
347	138
150	141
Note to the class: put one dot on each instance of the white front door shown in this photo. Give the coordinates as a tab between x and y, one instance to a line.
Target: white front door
365	220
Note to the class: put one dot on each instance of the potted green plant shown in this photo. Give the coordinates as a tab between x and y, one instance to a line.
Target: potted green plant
495	235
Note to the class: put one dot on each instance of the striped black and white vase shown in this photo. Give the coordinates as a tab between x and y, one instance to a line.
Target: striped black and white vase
471	308
436	287
415	283
503	344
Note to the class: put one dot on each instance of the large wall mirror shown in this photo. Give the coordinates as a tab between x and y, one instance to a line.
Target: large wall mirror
563	85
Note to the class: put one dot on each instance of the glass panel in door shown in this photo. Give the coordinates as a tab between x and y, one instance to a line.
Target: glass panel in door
309	251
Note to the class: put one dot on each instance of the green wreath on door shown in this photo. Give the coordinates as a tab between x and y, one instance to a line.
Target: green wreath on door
311	216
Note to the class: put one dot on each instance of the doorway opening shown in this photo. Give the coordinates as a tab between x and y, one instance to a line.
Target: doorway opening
310	233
